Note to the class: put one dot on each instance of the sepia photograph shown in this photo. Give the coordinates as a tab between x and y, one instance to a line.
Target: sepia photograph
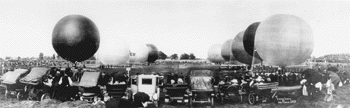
174	54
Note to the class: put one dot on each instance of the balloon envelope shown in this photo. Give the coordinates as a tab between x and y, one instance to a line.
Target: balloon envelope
249	38
153	53
226	52
139	53
113	52
75	38
238	50
284	40
214	54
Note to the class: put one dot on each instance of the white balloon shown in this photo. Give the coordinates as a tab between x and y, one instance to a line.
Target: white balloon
214	53
113	51
140	52
226	50
284	40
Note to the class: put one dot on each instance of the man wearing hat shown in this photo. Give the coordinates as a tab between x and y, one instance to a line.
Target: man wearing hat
312	80
331	71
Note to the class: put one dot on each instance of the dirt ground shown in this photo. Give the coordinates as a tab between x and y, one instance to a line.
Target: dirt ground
342	102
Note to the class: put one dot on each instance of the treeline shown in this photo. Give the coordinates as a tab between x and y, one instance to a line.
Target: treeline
334	58
183	56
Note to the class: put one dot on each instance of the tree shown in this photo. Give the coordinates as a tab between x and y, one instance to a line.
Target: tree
174	57
184	56
41	56
192	57
54	56
161	55
18	58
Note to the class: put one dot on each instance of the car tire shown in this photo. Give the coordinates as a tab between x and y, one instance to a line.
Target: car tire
81	98
251	99
241	98
6	94
19	96
190	102
45	96
212	102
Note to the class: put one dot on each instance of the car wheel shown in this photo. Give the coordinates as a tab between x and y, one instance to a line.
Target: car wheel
190	102
222	99
251	99
241	98
81	98
212	102
6	94
45	96
54	95
19	96
130	96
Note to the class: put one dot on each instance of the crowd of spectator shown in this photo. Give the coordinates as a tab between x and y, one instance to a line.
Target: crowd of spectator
11	65
334	58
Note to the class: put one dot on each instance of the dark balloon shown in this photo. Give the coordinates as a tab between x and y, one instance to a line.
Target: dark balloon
75	38
238	50
153	53
249	39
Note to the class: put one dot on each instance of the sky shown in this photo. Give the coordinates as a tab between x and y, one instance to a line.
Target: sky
172	26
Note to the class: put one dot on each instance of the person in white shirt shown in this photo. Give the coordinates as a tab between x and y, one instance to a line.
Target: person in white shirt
180	81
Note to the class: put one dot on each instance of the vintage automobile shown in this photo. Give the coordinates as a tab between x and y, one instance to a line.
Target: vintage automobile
176	92
201	87
229	88
13	86
91	92
230	92
35	87
117	91
261	92
3	86
148	84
